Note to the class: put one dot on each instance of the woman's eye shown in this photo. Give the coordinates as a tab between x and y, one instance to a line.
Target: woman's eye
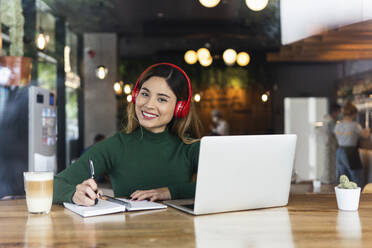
162	100
144	94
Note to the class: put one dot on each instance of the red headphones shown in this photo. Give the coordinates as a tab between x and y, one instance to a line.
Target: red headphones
182	107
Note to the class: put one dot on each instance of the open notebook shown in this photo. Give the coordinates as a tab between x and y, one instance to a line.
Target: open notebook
112	205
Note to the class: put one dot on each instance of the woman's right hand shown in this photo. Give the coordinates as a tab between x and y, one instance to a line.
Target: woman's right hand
85	193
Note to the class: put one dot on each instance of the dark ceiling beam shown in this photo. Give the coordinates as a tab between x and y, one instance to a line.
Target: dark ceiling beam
181	28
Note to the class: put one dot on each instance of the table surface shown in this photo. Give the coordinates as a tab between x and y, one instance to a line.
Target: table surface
309	220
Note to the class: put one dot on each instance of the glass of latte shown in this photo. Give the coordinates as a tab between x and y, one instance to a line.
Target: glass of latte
39	191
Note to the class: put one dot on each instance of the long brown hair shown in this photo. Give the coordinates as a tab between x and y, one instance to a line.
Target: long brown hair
188	129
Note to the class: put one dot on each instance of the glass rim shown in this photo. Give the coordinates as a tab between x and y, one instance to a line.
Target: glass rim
37	172
38	175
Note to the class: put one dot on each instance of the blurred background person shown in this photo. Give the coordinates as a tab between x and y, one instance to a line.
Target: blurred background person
219	125
348	132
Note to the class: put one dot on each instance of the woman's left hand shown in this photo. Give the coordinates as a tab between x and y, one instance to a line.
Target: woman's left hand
152	194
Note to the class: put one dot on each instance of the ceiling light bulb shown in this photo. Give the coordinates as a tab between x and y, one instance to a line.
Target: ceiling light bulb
117	88
41	41
229	56
242	59
127	89
191	57
209	3
101	72
206	62
203	54
129	98
256	5
197	97
264	97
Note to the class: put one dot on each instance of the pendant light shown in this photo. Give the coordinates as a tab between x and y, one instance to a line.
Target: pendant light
209	3
256	5
101	70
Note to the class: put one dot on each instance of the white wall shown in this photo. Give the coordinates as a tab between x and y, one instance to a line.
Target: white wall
99	97
303	18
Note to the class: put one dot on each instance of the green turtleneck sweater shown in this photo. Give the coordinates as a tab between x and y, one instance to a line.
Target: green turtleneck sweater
140	160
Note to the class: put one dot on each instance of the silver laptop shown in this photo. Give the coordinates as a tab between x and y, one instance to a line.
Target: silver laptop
241	172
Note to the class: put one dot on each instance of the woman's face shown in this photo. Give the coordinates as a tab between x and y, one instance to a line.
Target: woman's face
155	104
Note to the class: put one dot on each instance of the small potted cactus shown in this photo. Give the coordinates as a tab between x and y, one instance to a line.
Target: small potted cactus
347	194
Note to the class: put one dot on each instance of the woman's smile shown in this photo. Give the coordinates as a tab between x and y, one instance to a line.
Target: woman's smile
148	116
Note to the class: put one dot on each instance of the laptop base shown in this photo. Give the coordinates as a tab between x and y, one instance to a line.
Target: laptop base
186	205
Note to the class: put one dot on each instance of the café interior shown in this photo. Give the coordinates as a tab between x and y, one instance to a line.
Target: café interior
266	66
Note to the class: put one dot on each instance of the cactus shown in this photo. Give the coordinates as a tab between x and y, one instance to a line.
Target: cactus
346	184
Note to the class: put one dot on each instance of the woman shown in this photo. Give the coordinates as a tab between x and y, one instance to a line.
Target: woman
157	153
348	132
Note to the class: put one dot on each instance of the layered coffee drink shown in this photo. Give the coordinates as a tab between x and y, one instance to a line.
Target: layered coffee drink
39	191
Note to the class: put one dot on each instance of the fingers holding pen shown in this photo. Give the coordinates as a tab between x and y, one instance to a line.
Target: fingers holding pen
81	198
85	193
92	184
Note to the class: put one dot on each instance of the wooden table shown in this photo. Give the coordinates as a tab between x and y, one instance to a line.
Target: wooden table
310	220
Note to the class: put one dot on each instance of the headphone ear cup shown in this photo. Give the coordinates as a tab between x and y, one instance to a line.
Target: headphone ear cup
178	109
186	109
182	109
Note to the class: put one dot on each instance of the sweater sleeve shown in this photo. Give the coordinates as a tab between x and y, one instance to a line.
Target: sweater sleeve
65	182
187	190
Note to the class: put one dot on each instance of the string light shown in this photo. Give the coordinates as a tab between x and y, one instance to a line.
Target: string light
197	97
265	96
101	72
206	62
203	54
129	98
191	57
242	59
229	56
127	89
41	41
117	88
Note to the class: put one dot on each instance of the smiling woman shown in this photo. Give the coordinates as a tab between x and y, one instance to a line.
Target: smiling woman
168	82
155	156
155	105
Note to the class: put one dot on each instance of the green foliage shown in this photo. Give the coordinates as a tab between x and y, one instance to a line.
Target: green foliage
71	104
11	15
346	184
47	75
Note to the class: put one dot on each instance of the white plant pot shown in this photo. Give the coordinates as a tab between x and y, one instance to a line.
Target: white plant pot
347	199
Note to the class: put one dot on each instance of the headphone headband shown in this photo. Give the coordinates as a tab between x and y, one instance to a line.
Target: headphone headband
182	107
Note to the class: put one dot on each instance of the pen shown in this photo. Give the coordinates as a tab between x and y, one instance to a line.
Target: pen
113	199
91	167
